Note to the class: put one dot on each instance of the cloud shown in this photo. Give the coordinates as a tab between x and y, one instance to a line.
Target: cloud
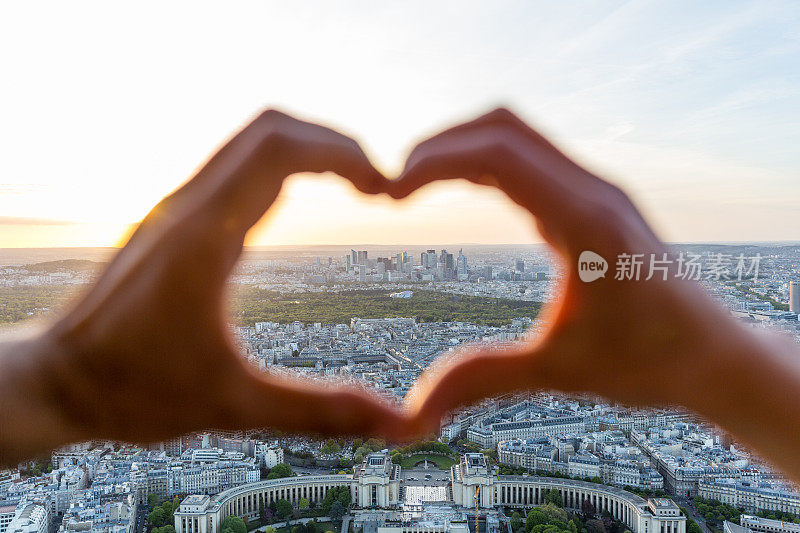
31	221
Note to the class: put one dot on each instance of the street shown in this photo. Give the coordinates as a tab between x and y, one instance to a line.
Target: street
693	513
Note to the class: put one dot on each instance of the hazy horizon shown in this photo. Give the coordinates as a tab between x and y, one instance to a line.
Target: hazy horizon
21	256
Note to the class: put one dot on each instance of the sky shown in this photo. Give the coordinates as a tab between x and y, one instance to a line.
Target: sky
692	107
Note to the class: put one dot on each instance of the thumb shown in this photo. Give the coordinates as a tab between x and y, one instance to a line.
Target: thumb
467	377
315	407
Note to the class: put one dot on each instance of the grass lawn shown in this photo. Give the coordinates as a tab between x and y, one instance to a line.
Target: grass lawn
259	305
441	461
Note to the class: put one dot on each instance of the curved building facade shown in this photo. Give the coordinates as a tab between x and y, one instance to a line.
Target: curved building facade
204	514
376	484
472	478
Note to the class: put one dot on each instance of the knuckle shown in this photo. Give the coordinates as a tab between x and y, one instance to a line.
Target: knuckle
353	146
271	115
502	113
500	144
618	197
610	224
272	126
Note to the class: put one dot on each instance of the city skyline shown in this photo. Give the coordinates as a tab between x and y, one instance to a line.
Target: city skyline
688	107
381	318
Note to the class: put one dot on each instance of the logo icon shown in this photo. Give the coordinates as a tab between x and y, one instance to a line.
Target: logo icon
591	266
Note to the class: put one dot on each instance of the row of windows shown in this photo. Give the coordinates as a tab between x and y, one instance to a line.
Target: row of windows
249	504
736	499
573	498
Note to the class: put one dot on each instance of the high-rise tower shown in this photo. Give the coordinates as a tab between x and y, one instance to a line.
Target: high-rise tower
794	296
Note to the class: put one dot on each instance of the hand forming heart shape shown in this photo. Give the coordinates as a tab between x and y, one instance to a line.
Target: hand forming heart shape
146	354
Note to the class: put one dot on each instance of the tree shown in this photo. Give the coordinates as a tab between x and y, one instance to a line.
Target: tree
303	503
375	445
335	494
344	497
280	470
270	529
535	517
337	510
554	496
152	500
330	447
235	524
360	453
168	509
554	513
283	508
357	444
516	522
156	517
595	526
587	507
491	454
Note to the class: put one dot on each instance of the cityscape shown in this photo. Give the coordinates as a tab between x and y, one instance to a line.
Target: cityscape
399	267
379	316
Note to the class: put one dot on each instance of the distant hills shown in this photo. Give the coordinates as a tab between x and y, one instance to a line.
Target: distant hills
63	265
30	256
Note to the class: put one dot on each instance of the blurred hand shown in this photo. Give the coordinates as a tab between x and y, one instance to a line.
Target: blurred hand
147	353
638	342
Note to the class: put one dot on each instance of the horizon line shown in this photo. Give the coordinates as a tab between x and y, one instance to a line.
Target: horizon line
351	245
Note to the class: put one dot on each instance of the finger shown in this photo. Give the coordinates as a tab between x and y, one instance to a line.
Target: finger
499	150
235	187
504	117
468	378
244	177
489	134
318	408
490	155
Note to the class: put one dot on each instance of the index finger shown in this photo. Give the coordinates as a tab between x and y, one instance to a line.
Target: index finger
243	178
305	406
498	149
474	375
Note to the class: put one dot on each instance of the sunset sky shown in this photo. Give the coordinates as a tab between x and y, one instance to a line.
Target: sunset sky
693	107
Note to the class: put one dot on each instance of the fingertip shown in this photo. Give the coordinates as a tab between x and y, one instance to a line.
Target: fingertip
397	429
401	186
397	194
373	182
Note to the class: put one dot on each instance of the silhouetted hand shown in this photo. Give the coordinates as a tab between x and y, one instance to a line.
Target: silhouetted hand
641	342
147	354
